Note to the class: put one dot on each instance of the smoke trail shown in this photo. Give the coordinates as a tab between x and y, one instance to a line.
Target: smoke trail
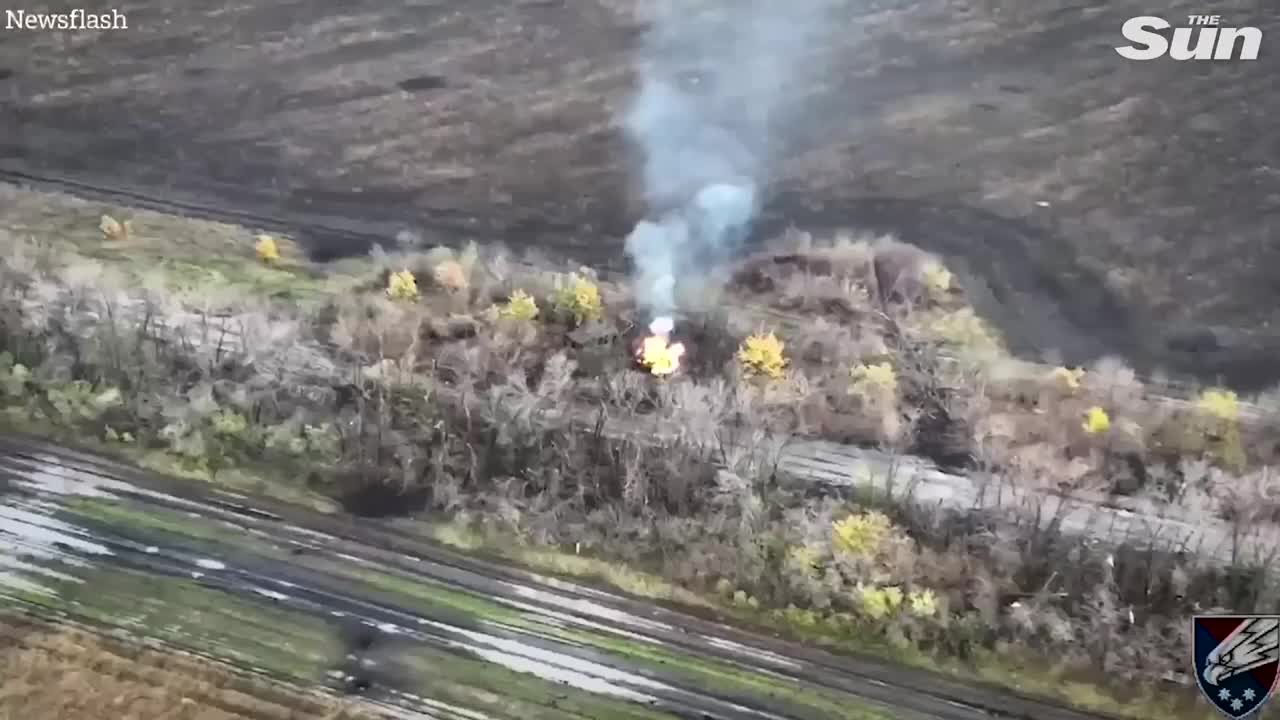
713	106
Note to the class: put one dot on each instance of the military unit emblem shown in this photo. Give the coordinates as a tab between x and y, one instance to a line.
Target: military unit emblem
1235	659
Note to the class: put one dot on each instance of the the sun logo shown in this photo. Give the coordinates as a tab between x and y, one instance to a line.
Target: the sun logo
1212	42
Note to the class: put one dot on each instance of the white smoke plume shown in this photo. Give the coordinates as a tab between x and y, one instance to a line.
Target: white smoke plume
718	92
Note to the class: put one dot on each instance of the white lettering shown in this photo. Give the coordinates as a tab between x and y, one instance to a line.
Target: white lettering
1139	31
1180	49
1227	43
1212	42
77	19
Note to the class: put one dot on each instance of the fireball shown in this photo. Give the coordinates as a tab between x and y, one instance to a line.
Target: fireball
657	352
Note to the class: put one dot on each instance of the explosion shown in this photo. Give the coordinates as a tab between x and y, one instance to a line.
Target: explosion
707	146
657	353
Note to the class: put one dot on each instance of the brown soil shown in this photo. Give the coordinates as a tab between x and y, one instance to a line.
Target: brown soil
71	674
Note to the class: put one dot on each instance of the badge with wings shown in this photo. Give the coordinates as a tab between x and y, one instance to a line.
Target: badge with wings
1236	658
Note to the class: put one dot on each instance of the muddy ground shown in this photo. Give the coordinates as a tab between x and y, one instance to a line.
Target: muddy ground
1109	205
374	611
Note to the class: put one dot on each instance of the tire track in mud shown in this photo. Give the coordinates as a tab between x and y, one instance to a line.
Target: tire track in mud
87	516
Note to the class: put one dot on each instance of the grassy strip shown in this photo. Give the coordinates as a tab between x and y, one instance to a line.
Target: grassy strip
253	634
1012	669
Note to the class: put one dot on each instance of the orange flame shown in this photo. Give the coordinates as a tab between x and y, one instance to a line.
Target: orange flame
659	355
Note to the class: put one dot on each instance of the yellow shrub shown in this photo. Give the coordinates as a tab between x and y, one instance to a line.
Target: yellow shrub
1219	404
922	603
1096	421
763	355
1219	424
267	250
113	229
1068	380
520	306
579	298
402	285
937	279
450	275
877	378
861	534
879	602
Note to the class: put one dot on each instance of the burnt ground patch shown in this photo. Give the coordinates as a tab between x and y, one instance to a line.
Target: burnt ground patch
1131	201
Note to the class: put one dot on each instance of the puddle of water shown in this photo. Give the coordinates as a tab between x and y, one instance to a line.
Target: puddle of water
751	652
588	607
565	620
50	475
55	479
271	594
555	667
36	543
550	673
24	577
307	532
42	531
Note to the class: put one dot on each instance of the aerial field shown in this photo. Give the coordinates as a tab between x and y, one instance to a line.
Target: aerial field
1110	205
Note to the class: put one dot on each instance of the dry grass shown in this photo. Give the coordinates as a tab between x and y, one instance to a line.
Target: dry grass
70	674
837	306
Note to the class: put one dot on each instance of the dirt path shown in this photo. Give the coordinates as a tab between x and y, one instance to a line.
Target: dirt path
1110	204
294	593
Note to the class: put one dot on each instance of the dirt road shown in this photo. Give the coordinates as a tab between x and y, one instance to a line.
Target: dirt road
1110	205
319	598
